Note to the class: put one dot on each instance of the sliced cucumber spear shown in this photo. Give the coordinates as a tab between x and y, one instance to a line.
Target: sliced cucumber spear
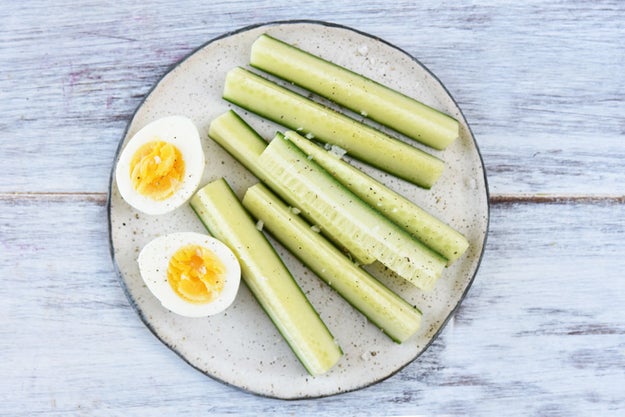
427	228
398	319
267	277
307	186
354	91
299	113
245	145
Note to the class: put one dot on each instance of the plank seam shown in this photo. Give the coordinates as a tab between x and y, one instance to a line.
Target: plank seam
495	199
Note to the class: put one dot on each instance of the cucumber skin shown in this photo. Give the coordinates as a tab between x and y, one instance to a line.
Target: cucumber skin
252	92
428	229
385	309
248	275
354	91
220	130
423	267
246	145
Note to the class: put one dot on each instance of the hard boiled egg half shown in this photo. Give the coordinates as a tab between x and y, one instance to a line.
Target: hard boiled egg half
191	274
161	165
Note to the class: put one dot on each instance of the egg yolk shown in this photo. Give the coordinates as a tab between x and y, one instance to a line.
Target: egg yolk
196	274
156	170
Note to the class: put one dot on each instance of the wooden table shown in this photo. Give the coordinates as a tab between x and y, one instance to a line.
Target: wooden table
542	331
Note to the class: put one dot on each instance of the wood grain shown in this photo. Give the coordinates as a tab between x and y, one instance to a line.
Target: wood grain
541	84
547	336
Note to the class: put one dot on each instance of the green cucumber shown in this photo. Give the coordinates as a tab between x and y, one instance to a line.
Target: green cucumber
427	228
398	319
299	113
267	277
239	139
307	186
354	91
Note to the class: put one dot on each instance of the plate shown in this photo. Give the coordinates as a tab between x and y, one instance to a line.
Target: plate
241	347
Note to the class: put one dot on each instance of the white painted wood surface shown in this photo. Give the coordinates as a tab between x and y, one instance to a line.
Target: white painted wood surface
542	85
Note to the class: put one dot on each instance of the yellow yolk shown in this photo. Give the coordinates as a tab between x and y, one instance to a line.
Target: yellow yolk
196	274
156	170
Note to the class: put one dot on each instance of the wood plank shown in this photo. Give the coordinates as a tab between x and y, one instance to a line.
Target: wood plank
541	332
540	82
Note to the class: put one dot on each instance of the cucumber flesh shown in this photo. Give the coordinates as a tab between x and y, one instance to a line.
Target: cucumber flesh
433	232
299	113
398	319
315	192
267	277
239	139
354	91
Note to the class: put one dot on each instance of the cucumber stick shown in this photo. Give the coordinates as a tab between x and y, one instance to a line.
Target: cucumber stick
238	138
245	145
315	192
267	277
398	319
427	228
296	112
354	91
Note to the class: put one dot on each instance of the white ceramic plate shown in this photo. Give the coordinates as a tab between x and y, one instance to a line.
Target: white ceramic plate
241	347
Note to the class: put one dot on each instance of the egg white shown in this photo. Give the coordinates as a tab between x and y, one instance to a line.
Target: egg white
153	262
183	134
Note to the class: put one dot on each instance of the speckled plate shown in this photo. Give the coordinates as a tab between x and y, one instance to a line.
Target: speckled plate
241	347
